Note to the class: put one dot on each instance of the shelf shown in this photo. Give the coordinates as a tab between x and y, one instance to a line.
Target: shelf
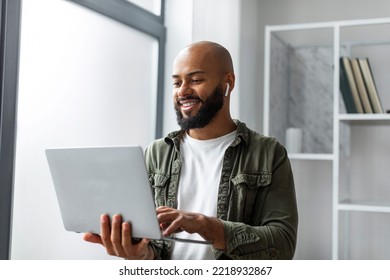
303	156
361	206
306	94
365	119
319	38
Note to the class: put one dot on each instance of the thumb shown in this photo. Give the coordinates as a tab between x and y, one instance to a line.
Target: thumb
93	238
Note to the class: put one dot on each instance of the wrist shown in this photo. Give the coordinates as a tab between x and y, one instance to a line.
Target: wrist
214	232
149	253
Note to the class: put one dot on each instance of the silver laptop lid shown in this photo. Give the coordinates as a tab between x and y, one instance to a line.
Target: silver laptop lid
112	180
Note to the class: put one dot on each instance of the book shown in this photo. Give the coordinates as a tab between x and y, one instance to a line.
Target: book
348	87
361	86
370	85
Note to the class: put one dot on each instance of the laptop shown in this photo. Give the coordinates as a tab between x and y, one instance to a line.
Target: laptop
92	181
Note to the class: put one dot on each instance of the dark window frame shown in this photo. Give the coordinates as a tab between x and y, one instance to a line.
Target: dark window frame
9	66
10	17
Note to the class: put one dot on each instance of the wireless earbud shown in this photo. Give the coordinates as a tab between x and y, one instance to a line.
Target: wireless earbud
227	89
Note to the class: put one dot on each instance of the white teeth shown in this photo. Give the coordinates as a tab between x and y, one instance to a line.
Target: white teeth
187	104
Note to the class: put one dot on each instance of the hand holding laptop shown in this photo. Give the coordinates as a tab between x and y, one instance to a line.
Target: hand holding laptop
116	238
116	235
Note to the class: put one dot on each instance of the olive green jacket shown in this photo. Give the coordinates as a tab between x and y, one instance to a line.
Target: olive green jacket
256	198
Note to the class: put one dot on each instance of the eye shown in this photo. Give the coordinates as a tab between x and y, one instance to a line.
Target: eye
196	81
176	83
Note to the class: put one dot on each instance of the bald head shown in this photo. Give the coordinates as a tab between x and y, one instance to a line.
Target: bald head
206	54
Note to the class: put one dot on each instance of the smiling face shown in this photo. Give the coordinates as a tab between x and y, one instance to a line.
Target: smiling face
193	112
199	81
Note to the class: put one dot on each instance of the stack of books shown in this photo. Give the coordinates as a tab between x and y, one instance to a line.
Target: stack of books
358	87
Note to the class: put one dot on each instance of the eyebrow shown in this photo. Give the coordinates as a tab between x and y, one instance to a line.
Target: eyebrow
190	73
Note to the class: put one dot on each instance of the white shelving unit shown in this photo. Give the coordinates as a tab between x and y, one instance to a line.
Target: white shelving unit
339	37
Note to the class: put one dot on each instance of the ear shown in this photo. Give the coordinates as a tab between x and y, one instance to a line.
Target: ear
230	80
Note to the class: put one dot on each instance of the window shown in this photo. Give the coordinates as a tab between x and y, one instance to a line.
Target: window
80	75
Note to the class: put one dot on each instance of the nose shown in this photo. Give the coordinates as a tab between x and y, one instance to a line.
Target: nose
183	90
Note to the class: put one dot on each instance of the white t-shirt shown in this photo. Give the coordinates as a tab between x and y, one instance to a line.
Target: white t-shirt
198	187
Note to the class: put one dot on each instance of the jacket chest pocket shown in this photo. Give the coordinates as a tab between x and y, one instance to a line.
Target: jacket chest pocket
159	183
248	194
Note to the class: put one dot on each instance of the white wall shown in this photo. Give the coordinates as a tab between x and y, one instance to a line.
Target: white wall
179	22
189	21
85	80
250	87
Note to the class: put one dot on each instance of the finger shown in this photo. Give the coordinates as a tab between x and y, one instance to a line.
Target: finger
165	218
164	215
116	235
126	237
133	250
175	226
182	221
105	230
162	209
163	225
93	238
174	221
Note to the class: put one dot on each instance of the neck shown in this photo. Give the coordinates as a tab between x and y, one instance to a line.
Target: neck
216	128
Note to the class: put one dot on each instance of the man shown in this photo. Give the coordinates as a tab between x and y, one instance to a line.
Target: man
215	178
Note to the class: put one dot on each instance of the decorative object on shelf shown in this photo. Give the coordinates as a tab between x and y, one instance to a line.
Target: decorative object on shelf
294	140
348	87
357	73
370	85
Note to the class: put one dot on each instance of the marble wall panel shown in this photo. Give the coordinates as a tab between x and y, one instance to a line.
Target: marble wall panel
301	95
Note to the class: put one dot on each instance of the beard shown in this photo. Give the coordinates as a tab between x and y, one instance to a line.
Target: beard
207	112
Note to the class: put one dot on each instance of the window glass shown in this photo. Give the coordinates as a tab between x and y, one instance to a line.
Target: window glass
85	80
